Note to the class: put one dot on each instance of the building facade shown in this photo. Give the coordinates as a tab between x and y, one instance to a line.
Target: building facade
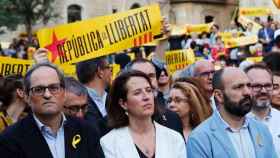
178	12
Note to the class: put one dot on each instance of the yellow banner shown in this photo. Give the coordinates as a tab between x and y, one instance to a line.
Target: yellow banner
178	59
254	59
71	43
199	28
240	41
9	66
178	30
245	21
260	11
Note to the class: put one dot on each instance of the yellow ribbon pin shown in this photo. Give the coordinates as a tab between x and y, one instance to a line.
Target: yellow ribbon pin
259	140
76	140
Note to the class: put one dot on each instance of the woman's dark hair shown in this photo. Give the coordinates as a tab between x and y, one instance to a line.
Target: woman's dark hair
116	114
8	90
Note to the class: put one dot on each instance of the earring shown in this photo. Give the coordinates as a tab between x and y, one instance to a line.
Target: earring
126	113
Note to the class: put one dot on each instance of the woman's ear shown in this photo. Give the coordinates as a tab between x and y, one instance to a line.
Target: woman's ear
123	104
20	93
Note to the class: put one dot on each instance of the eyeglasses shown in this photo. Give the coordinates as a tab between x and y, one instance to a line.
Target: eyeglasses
276	86
206	74
259	87
40	90
77	108
176	100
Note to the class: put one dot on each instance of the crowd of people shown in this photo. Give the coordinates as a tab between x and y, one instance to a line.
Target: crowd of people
145	112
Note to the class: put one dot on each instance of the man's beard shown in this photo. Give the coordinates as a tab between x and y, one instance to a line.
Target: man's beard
262	104
240	108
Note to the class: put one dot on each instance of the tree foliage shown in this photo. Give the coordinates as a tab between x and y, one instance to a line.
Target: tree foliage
26	12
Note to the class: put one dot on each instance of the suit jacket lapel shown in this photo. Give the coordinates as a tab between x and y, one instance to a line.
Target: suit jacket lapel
126	144
220	134
256	138
35	138
71	136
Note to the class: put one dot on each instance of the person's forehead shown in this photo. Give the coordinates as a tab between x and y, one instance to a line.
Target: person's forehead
44	75
137	82
146	67
204	66
234	77
276	79
73	99
259	75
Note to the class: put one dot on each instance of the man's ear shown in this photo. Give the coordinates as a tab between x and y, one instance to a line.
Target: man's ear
99	72
218	95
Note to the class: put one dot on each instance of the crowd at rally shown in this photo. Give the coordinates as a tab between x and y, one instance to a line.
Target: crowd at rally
145	112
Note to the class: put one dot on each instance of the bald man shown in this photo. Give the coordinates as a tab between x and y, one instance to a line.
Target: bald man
228	133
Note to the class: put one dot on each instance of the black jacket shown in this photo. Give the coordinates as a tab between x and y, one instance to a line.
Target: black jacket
24	140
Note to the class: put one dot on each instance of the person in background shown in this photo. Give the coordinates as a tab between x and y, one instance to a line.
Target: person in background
76	102
229	133
187	100
135	133
12	98
96	74
262	89
275	100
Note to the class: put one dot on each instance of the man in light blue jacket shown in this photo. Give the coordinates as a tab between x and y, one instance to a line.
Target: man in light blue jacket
228	133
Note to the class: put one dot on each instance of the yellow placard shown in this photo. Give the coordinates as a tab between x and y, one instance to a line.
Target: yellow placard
68	70
178	59
116	70
198	28
254	59
258	11
240	41
71	43
245	21
178	30
9	66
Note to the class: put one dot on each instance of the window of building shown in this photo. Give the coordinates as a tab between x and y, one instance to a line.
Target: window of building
135	5
208	18
74	13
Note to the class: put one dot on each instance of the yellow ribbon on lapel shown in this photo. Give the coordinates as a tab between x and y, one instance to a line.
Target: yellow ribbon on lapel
76	140
259	140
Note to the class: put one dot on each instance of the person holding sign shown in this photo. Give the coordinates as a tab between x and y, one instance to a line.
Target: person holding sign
131	113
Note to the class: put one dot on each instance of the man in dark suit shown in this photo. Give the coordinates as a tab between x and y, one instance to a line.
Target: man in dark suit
47	132
95	75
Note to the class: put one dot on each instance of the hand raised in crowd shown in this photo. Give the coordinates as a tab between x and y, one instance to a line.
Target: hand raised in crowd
41	56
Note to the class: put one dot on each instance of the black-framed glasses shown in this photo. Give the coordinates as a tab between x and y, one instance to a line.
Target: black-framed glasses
77	108
276	86
206	73
40	90
176	100
259	87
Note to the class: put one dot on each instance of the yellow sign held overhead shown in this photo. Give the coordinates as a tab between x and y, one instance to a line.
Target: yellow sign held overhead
9	66
198	28
258	11
178	59
240	41
71	43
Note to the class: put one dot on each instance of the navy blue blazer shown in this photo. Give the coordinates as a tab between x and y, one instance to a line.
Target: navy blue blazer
24	140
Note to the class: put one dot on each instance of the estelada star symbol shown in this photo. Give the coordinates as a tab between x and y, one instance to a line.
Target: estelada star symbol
53	46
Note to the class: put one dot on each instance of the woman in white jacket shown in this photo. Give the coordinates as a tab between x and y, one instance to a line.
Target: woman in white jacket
130	113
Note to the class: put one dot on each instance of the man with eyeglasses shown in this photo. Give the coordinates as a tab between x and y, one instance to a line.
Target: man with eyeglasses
76	103
262	88
228	132
47	132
